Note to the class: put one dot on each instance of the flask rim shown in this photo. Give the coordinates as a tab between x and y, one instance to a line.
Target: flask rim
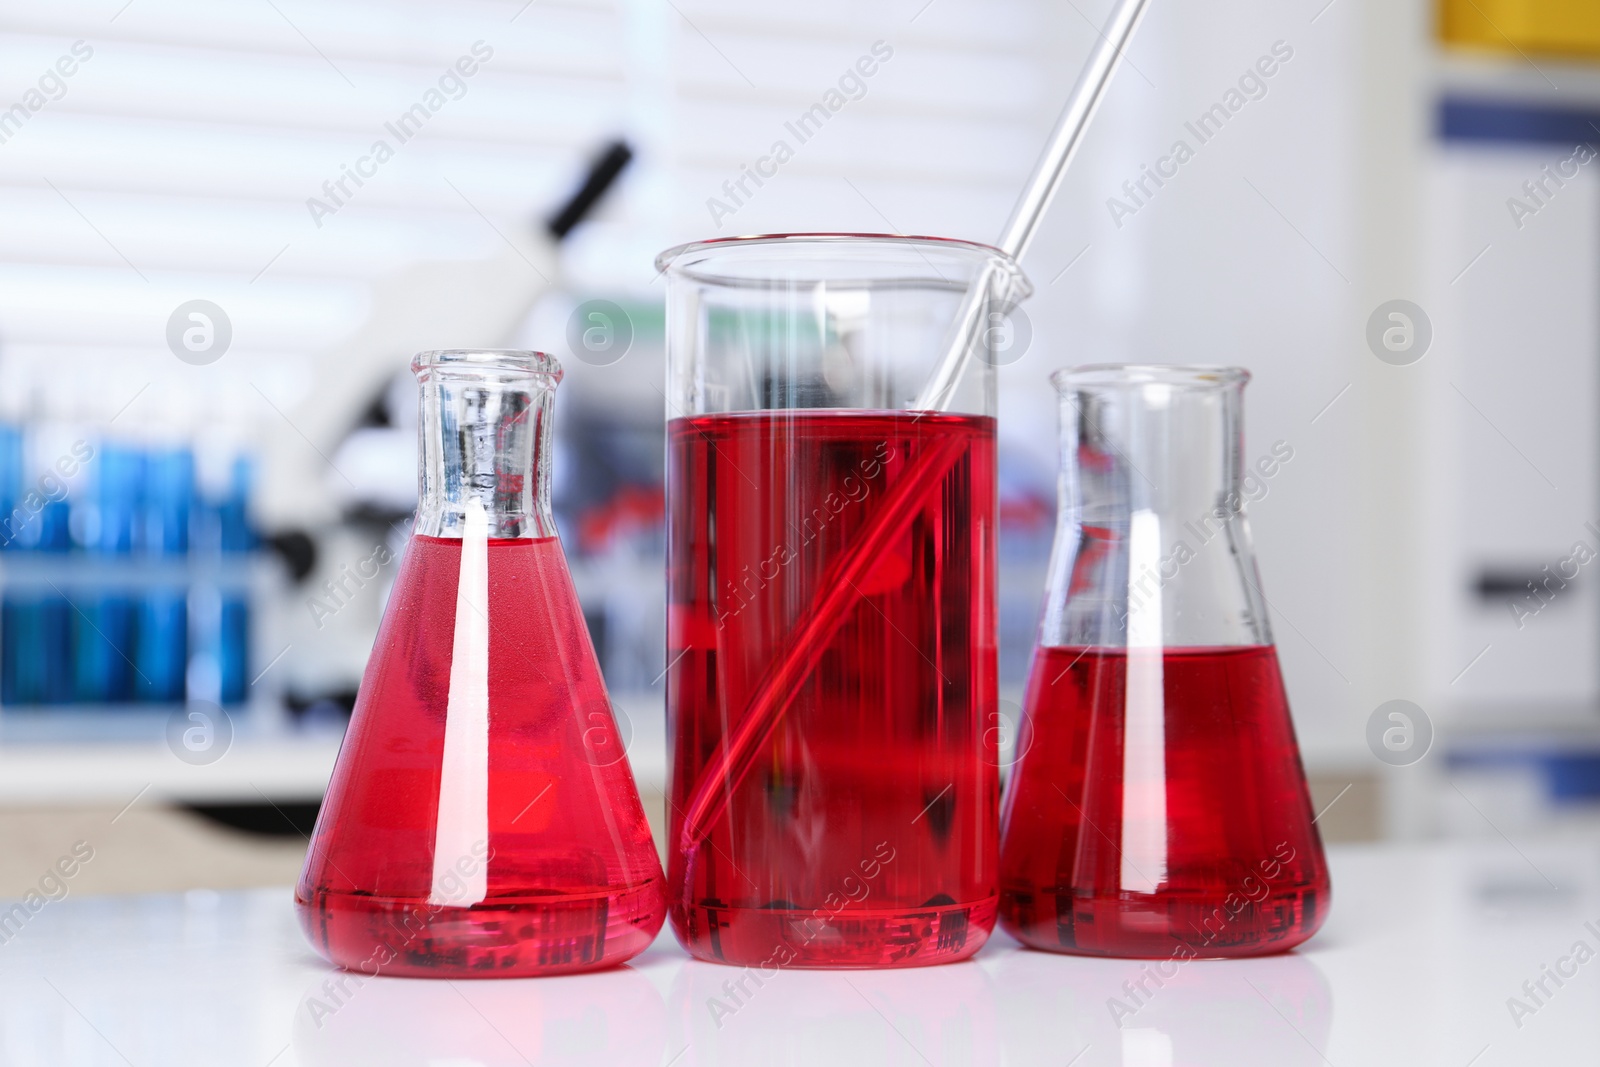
507	361
1127	375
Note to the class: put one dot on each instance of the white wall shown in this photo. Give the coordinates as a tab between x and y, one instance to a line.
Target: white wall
1211	272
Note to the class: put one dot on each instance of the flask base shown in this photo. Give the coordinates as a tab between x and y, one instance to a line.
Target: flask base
774	938
1181	927
516	937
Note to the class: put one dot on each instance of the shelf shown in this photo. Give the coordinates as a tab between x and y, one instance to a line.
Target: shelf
75	763
81	773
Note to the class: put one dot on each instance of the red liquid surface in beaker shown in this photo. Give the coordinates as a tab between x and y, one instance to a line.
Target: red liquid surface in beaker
573	879
1171	825
862	833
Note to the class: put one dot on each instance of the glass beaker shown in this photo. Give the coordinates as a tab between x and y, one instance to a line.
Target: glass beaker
1159	808
482	820
831	614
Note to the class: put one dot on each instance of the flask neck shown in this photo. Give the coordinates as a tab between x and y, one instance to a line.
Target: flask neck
1152	545
484	442
1150	448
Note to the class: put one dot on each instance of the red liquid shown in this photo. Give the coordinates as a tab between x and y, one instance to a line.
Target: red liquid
862	833
573	880
1199	845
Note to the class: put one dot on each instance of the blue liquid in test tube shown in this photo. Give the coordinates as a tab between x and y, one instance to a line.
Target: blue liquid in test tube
162	641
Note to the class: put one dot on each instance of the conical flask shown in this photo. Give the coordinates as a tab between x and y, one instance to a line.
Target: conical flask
1159	807
482	819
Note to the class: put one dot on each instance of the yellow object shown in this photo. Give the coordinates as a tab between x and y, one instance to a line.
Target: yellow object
1570	27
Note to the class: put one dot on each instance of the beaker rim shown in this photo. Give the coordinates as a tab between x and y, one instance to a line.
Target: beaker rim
504	360
1178	375
1020	285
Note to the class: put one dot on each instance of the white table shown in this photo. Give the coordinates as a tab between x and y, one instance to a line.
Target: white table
1423	949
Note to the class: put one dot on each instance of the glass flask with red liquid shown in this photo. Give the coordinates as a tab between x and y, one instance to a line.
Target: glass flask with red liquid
1158	807
831	603
482	820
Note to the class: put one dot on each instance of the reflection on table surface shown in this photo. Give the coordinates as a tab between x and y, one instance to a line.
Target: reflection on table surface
1423	950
